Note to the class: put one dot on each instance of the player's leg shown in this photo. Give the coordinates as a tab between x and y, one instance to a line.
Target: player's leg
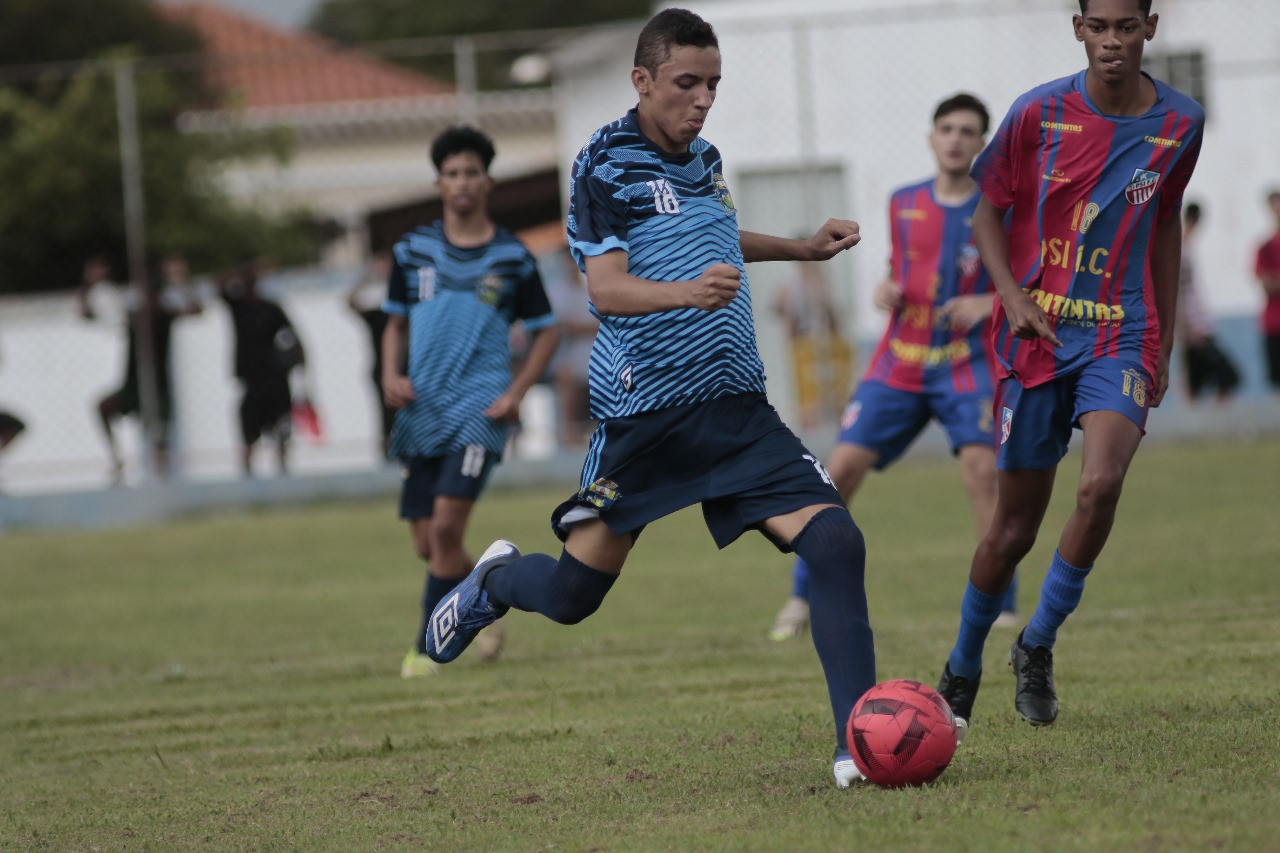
109	411
848	466
830	543
1035	426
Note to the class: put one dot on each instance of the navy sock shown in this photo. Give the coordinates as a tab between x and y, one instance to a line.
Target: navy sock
832	546
800	580
432	594
566	591
978	611
1059	595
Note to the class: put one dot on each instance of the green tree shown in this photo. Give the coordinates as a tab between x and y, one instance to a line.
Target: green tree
60	160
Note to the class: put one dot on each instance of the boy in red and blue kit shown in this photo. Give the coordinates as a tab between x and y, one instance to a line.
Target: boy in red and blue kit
1079	229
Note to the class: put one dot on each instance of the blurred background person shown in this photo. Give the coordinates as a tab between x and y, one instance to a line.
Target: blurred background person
365	299
166	295
1267	268
267	350
1206	366
821	359
567	290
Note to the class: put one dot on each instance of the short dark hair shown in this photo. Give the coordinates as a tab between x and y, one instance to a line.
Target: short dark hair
963	101
455	140
1273	195
1191	213
1143	5
667	29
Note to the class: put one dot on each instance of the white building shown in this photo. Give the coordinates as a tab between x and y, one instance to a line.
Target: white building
825	106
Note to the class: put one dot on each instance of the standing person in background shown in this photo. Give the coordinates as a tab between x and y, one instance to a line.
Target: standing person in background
934	360
1267	268
677	382
365	300
1078	227
456	287
11	426
168	295
820	358
1207	367
572	305
267	350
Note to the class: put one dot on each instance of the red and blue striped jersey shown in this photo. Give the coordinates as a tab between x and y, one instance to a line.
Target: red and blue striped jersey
1083	191
932	258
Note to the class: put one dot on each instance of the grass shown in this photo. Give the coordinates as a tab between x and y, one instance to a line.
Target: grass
232	683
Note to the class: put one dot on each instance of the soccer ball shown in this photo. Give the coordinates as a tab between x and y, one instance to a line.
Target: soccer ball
901	733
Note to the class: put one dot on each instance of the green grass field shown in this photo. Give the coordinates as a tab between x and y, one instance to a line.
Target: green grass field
232	683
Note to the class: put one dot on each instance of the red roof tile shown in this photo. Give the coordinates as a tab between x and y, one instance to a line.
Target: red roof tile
258	65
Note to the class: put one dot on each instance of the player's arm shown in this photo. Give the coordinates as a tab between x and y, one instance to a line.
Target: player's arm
617	293
397	390
541	348
831	239
1026	318
1166	264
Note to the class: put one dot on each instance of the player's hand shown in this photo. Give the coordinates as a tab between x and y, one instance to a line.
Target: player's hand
962	313
716	287
832	238
1162	379
397	391
1027	319
888	295
505	409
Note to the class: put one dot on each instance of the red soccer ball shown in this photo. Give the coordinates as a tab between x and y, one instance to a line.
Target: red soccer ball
901	733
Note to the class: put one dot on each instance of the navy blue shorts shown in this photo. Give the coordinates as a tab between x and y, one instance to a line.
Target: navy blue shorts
733	455
461	474
1036	423
887	420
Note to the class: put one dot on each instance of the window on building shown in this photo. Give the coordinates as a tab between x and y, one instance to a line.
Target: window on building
1183	70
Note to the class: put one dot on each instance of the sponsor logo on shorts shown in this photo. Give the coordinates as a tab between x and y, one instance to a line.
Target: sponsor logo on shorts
601	494
1006	423
1142	186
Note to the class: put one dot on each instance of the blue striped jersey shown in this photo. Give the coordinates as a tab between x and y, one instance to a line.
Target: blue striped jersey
460	304
673	216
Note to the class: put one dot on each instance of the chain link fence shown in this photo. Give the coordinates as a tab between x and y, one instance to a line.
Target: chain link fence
824	109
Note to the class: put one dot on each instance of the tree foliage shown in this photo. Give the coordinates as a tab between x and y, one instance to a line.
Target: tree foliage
59	152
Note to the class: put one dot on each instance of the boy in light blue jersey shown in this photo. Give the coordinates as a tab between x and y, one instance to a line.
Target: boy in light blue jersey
677	382
455	288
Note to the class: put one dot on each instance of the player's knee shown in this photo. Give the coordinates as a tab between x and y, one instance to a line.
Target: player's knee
831	538
1099	491
1011	539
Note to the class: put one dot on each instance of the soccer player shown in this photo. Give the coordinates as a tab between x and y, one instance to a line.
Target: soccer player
455	288
677	382
1079	228
1267	269
934	360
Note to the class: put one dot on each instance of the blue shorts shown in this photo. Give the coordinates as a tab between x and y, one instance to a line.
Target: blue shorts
733	454
460	474
886	420
1036	423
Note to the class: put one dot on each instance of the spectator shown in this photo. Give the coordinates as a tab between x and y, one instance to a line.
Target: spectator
1267	269
1207	366
365	299
567	290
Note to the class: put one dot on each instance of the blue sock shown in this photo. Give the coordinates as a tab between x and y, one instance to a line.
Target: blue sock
832	546
1059	596
432	594
566	591
1009	604
800	580
977	613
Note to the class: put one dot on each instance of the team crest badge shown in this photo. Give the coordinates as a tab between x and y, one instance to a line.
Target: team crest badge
722	191
969	261
1142	186
426	283
490	289
1006	423
850	416
601	494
